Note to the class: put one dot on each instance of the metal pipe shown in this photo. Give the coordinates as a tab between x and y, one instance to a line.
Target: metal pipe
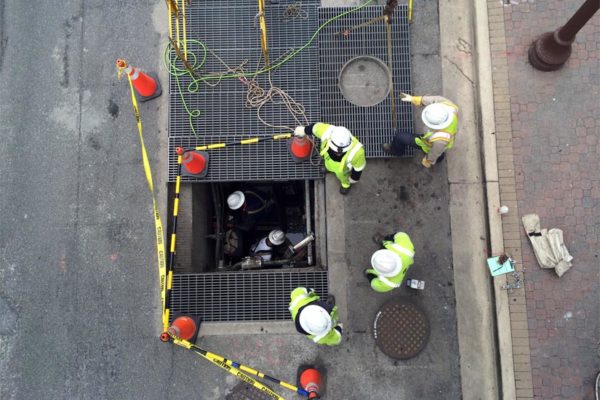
304	242
308	212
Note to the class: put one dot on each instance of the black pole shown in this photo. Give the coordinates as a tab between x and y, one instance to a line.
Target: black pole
551	50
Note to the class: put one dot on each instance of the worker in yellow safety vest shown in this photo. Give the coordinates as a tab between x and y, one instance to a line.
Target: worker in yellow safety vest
315	318
344	155
440	115
390	264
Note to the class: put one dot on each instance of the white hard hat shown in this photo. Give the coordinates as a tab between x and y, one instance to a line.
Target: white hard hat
236	199
340	139
386	262
437	116
315	320
276	237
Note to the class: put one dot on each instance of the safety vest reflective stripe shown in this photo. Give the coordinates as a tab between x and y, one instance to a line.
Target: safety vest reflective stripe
440	135
351	155
402	250
316	339
388	282
297	300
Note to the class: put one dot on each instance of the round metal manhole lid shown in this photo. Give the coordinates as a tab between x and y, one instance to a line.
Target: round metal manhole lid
401	330
365	81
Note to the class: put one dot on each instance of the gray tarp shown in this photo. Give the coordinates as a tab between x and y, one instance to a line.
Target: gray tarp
548	245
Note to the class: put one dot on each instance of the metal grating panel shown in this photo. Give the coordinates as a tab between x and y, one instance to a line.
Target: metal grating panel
231	31
241	296
372	125
268	160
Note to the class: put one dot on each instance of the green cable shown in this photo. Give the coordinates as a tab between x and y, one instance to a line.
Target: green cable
194	86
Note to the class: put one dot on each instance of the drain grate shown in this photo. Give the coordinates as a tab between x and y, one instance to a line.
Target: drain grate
231	31
266	161
241	296
372	125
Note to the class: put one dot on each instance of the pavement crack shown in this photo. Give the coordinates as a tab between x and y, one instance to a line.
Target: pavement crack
460	70
3	37
79	116
464	46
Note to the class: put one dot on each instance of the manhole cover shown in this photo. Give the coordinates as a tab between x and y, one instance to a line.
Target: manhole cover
244	391
365	81
401	330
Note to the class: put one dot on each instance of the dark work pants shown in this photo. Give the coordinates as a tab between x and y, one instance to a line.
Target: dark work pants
402	141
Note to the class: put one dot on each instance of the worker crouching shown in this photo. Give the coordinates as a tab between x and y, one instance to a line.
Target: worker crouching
315	318
272	247
440	115
390	264
343	154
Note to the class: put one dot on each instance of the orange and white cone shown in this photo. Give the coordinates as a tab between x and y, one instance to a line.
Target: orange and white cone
195	163
300	148
310	380
183	327
146	85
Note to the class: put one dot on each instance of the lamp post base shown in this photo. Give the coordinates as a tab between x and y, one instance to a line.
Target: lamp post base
548	52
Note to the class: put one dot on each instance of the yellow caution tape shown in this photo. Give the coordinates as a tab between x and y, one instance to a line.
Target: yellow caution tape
222	363
160	244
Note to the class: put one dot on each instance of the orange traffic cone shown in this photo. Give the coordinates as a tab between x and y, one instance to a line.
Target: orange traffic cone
300	148
194	162
183	327
146	84
310	380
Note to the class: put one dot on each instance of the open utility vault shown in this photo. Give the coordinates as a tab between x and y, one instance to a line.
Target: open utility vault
205	283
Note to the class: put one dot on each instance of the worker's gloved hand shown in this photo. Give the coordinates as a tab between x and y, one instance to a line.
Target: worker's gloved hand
299	131
406	97
352	181
425	162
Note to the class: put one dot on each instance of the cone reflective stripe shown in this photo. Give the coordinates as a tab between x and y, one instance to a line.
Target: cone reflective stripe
300	148
310	380
145	84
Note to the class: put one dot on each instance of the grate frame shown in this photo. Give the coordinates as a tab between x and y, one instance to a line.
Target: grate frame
242	296
372	125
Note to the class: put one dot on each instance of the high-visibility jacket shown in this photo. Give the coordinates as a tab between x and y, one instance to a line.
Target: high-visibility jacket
403	247
445	135
299	299
354	158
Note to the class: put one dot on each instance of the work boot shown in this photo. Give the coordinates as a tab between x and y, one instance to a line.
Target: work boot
387	147
344	191
378	238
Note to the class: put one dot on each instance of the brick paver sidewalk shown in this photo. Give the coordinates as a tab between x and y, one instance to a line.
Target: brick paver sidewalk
548	143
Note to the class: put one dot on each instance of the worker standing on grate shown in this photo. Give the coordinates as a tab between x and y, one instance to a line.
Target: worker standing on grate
344	155
271	247
390	264
440	115
315	318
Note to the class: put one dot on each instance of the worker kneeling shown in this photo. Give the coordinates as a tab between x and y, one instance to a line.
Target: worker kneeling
271	247
314	318
344	155
390	264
